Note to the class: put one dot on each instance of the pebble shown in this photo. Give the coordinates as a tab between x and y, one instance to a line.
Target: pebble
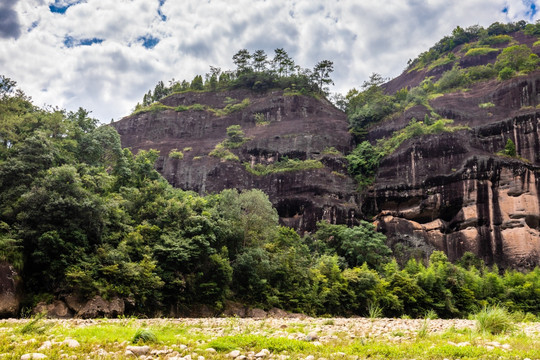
262	353
234	354
72	343
138	350
45	346
33	356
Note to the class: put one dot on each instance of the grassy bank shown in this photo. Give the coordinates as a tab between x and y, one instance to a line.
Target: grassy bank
220	338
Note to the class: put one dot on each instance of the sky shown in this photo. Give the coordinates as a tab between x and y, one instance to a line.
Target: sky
104	55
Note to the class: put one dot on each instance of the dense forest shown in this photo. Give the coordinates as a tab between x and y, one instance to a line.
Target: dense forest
80	215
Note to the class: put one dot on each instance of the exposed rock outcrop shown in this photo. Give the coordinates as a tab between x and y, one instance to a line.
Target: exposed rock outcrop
452	192
9	291
296	127
99	307
56	310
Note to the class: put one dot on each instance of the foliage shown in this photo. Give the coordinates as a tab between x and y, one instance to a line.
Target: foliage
176	154
486	105
235	137
452	79
260	119
253	71
506	73
495	40
480	51
331	151
510	148
284	165
153	108
363	163
517	58
220	151
459	36
494	320
144	336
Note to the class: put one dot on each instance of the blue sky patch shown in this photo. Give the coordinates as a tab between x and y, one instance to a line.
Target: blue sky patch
61	7
160	13
70	42
531	8
148	41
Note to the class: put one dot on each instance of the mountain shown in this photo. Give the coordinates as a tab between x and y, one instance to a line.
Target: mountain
451	188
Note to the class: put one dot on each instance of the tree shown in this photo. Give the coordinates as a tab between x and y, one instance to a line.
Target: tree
321	74
282	62
357	245
510	148
259	60
197	83
6	86
518	58
241	60
235	134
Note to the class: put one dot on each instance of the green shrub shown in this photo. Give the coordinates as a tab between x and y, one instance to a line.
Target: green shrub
154	108
486	105
448	59
506	73
510	148
494	320
283	166
480	51
481	72
260	119
235	137
517	58
452	79
331	151
374	311
536	43
495	40
144	336
175	154
197	107
221	152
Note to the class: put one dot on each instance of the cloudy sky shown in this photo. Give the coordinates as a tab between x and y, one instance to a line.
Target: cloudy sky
104	55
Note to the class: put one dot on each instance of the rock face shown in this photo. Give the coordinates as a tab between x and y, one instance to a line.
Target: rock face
452	192
296	127
99	307
9	291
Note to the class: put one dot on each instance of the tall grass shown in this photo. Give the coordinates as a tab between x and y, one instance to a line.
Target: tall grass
494	320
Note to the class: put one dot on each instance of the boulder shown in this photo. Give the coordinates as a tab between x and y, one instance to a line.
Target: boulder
9	291
138	350
234	309
74	302
56	310
99	307
256	313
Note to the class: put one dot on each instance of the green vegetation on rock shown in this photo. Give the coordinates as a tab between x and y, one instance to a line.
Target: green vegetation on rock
283	165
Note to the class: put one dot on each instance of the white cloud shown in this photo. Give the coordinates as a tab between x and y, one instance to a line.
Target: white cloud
110	77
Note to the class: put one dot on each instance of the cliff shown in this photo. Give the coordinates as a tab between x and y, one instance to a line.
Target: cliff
452	192
278	127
